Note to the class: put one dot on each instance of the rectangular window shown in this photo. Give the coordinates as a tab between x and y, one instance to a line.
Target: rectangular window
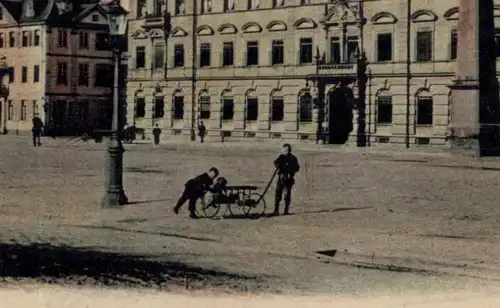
24	115
24	74
103	75
278	3
83	74
227	108
424	110
252	109
12	75
12	39
277	109
159	107
178	107
83	40
2	40
384	47
497	41
179	6
36	39
101	41
424	46
179	55
454	45
384	110
157	9
205	107
25	38
140	57
141	4
36	73
159	57
352	49
10	111
278	52
62	38
252	53
205	55
306	50
1	14
34	108
228	54
228	5
62	73
335	50
140	107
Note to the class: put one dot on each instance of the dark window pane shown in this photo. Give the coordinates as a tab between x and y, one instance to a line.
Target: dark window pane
306	50
227	108
424	110
179	107
277	109
252	109
384	47
384	110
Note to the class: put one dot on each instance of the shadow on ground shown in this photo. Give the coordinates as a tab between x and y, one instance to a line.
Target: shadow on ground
82	266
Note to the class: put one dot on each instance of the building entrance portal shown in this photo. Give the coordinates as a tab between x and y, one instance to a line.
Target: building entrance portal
340	115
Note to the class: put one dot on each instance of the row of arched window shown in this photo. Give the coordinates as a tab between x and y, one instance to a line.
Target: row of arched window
227	111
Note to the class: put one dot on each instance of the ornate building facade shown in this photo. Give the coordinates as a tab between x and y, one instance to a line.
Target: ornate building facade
298	69
60	65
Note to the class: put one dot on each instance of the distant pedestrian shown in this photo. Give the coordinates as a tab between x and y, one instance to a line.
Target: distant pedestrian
195	189
202	130
156	134
36	130
287	165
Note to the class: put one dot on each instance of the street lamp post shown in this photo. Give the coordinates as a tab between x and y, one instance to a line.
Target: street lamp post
115	195
318	102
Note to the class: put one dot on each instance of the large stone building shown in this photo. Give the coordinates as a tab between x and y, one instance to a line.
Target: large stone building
262	67
61	64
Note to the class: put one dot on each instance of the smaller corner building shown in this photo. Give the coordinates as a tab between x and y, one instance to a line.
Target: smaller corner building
60	65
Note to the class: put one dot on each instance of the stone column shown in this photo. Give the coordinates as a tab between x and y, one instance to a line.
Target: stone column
474	93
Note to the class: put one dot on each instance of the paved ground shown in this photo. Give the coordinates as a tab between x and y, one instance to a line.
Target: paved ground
398	221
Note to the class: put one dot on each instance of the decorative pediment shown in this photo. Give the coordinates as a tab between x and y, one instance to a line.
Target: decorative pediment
341	12
423	16
140	35
251	27
156	33
384	18
276	25
178	32
305	23
451	14
205	30
227	29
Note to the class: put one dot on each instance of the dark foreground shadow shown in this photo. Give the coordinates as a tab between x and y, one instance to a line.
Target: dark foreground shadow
69	265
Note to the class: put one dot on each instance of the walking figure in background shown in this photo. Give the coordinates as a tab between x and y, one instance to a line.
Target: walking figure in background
287	165
202	130
194	189
156	134
36	130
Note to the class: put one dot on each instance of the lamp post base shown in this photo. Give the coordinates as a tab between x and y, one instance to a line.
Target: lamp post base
115	195
114	199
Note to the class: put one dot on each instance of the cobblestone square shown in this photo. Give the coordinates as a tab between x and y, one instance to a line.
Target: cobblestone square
434	217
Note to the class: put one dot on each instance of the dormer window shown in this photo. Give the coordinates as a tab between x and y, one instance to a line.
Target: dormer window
1	13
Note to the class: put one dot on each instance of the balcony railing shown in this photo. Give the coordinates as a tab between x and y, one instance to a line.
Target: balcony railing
337	68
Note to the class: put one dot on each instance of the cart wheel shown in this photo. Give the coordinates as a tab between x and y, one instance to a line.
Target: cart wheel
208	208
236	209
253	209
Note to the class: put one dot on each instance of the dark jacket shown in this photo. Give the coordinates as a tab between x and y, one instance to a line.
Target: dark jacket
37	124
200	183
287	165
